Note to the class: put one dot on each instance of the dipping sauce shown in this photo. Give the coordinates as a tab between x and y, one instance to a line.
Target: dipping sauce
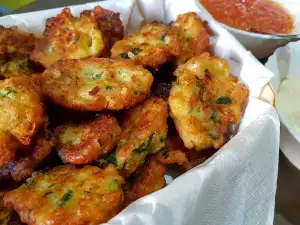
259	16
288	104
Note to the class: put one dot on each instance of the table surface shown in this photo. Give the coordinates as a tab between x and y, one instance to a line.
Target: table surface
288	189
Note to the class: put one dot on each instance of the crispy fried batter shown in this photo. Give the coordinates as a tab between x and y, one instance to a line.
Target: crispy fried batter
16	43
68	37
22	112
143	132
89	141
149	179
28	157
32	82
192	34
7	148
96	84
176	153
204	100
111	27
152	45
15	67
68	195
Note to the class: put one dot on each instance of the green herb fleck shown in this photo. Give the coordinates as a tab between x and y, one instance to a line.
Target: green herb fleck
51	185
213	136
224	100
32	184
124	55
163	37
115	184
166	154
111	159
144	146
213	117
121	142
163	139
4	92
77	39
108	87
97	76
187	40
47	193
136	50
65	198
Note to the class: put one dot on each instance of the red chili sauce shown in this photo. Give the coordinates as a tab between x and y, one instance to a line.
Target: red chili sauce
260	16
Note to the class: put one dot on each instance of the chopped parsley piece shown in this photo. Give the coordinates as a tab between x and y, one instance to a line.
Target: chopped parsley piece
111	159
77	39
187	40
47	193
136	50
224	100
213	136
124	55
4	92
163	37
121	142
213	117
108	87
65	198
97	76
144	146
51	185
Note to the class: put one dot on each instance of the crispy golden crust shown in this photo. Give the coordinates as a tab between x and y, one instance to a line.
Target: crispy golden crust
87	142
22	112
14	67
152	45
143	132
192	34
149	179
68	37
28	157
96	84
32	82
110	26
15	43
7	148
67	195
204	100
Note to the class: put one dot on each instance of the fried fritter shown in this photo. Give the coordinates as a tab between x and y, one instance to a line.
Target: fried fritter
28	157
144	131
110	26
176	153
22	111
204	101
7	148
15	43
192	34
14	67
150	178
68	195
68	37
89	141
152	45
96	84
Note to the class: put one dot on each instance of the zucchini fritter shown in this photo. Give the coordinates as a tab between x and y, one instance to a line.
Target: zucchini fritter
27	157
95	84
14	67
152	45
110	26
89	141
204	100
22	111
192	34
143	132
68	37
68	195
7	148
15	43
150	178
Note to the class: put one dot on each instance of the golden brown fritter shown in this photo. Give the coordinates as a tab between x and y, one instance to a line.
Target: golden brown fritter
176	153
22	111
88	141
28	157
68	37
144	131
152	45
96	84
192	34
14	67
32	82
15	43
150	178
110	26
8	145
204	100
68	195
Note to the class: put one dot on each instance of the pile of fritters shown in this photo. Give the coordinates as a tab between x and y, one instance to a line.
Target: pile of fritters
90	120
